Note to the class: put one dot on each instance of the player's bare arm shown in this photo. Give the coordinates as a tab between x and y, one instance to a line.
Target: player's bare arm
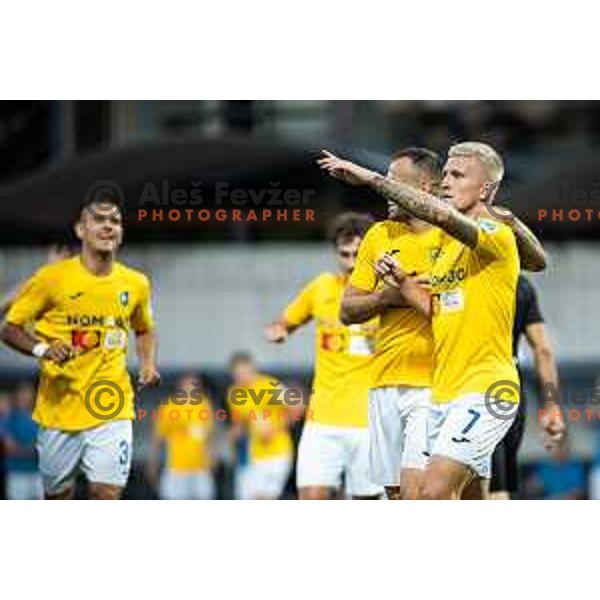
359	305
416	202
531	252
21	340
428	208
279	331
412	289
545	364
146	351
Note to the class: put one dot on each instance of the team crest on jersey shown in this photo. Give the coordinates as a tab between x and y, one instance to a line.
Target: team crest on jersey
435	253
488	226
124	298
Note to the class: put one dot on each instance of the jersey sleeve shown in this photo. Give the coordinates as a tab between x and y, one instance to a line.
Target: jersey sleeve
300	309
32	299
363	276
494	239
142	319
532	313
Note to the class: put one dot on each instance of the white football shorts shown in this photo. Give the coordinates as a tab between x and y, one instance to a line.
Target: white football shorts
328	453
398	431
468	430
198	485
264	478
103	454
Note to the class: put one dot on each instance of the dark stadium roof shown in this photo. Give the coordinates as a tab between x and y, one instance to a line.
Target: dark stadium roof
564	204
40	207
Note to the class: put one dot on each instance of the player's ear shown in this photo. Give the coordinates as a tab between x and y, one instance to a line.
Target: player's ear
427	185
488	191
79	229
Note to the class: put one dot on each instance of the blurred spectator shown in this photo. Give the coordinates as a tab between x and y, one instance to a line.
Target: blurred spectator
296	412
562	477
184	431
594	478
23	478
256	415
4	415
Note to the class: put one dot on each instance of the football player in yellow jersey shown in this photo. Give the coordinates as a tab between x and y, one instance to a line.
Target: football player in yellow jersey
185	428
257	408
335	440
402	367
473	278
83	309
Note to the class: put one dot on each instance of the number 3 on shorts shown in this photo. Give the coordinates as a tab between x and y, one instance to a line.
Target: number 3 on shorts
123	453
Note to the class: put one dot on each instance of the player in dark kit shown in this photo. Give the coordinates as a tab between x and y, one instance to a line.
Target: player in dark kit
530	323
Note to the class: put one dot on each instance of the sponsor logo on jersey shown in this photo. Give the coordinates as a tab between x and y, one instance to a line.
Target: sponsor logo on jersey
85	339
332	341
95	321
450	277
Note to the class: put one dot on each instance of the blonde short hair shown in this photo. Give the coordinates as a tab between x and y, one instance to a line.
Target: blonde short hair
487	156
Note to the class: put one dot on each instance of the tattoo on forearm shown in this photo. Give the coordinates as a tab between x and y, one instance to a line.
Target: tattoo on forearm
428	208
531	251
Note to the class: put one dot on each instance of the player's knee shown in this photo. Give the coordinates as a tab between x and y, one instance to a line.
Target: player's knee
476	489
434	490
314	493
104	491
411	492
410	489
65	494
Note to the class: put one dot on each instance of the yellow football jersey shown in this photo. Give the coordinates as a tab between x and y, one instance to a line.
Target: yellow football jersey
473	309
254	406
342	356
94	315
186	436
404	342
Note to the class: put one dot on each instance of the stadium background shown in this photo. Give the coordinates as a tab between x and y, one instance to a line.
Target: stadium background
217	283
